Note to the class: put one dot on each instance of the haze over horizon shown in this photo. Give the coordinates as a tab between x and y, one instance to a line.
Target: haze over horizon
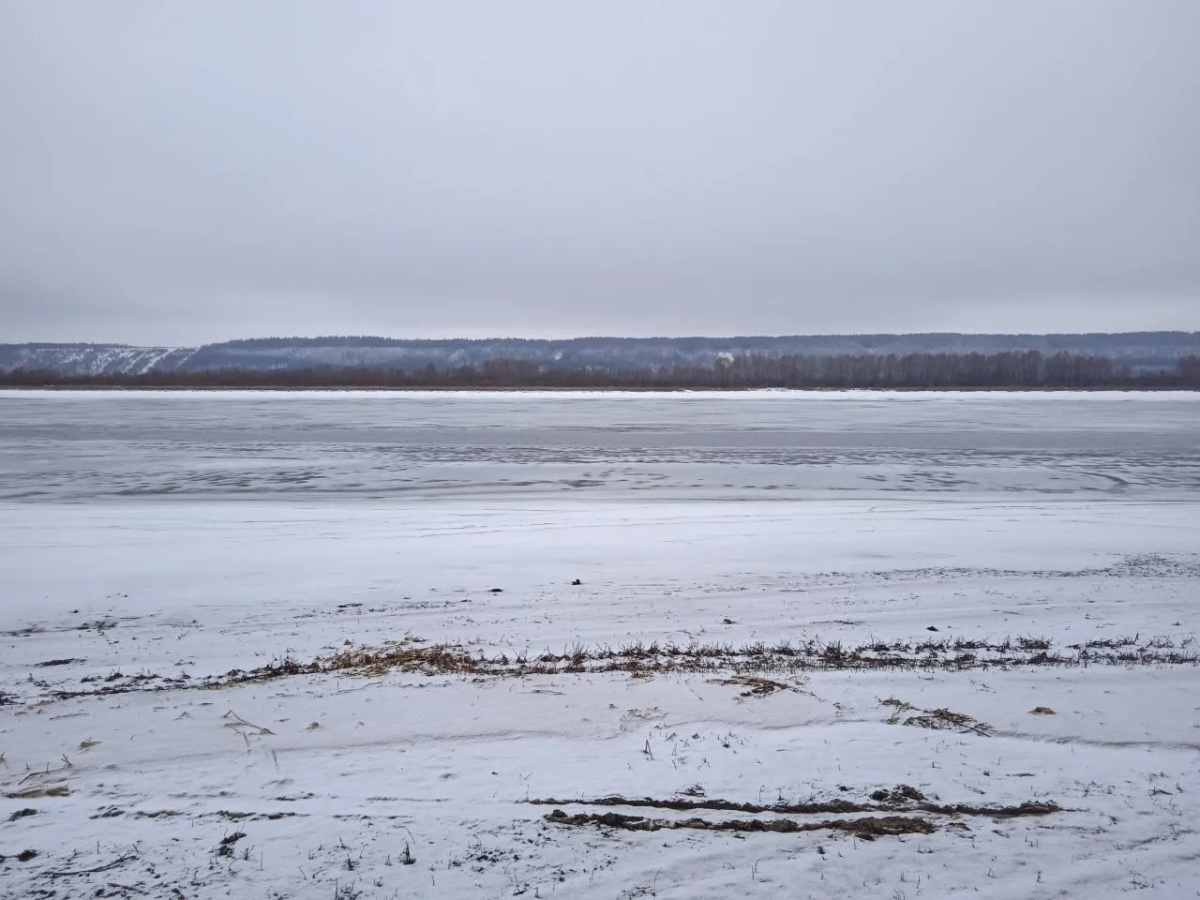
192	173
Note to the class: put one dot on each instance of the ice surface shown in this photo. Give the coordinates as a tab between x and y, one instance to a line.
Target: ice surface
169	534
726	446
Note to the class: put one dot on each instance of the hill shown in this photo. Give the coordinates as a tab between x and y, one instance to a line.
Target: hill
1140	351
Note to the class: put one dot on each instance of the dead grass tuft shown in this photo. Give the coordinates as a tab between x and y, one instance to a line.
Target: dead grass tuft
404	657
755	685
225	847
900	795
935	719
56	790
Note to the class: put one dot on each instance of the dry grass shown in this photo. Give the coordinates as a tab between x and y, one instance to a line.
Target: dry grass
747	665
835	806
935	719
56	790
755	686
901	798
867	828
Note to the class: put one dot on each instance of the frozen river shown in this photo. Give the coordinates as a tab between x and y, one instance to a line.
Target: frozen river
712	446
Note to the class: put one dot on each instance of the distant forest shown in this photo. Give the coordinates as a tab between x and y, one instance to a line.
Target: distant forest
1024	370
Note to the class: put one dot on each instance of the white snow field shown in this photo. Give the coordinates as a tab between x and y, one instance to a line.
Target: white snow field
329	645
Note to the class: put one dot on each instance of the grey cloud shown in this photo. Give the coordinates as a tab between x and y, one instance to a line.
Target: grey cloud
196	171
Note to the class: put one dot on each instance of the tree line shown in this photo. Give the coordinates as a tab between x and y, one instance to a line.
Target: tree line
1020	370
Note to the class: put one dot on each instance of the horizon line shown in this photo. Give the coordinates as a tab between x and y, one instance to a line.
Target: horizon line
613	337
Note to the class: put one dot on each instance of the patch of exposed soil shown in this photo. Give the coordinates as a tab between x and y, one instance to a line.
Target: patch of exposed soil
56	790
867	828
901	798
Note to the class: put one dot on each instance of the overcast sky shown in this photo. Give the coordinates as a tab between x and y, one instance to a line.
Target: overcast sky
194	171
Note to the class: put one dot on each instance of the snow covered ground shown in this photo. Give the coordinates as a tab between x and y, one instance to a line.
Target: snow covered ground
330	645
